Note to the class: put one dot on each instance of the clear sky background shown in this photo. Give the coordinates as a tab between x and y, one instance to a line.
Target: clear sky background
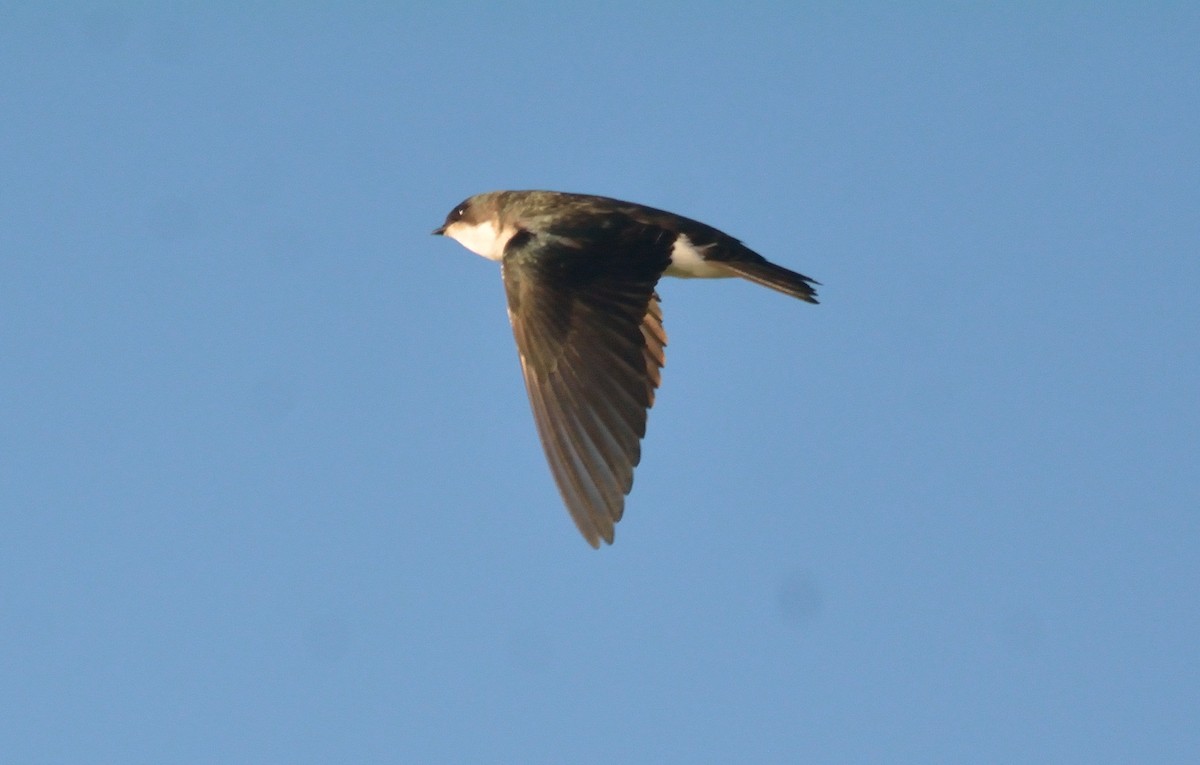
270	489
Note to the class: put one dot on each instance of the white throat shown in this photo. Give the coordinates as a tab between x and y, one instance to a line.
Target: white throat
481	238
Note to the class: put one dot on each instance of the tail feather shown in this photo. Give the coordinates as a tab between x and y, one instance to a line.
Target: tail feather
776	277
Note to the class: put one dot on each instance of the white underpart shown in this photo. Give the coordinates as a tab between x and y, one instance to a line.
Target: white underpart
687	261
481	238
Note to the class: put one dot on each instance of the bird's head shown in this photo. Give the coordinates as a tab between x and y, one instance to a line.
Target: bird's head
476	224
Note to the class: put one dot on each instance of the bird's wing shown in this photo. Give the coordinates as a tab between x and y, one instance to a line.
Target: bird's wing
589	332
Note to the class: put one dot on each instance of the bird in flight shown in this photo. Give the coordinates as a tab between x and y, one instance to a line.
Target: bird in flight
580	272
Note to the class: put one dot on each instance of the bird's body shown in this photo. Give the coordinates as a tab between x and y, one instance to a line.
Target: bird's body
580	272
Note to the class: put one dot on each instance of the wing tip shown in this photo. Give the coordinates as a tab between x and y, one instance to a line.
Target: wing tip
594	536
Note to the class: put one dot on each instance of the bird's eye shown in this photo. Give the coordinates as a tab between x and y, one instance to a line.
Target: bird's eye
460	211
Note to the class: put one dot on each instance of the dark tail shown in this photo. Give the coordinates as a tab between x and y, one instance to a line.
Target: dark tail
776	277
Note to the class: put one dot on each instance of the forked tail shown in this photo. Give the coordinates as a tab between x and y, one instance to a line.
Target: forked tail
776	277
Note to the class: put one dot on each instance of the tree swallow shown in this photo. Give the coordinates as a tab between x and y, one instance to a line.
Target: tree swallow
580	272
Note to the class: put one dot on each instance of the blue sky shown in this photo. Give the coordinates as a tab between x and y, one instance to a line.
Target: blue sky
270	489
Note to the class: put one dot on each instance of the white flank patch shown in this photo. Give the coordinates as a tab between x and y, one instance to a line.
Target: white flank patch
688	262
481	238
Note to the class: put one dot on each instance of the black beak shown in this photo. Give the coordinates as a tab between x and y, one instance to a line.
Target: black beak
439	231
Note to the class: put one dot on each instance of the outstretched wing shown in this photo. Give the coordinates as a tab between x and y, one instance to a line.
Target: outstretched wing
589	332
